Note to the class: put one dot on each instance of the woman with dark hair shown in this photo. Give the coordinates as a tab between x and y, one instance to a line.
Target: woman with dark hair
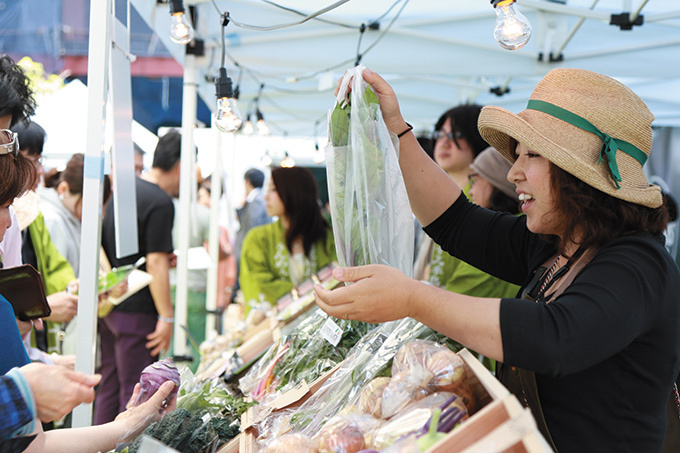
62	207
591	343
277	257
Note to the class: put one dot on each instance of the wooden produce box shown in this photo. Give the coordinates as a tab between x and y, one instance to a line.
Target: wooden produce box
499	420
232	446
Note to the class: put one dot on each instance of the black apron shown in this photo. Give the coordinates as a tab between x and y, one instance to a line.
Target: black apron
520	382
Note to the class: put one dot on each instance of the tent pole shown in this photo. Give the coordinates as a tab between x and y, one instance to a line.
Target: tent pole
93	175
189	105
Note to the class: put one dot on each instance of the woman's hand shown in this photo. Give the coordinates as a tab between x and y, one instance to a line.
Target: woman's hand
379	294
389	105
57	390
64	306
137	418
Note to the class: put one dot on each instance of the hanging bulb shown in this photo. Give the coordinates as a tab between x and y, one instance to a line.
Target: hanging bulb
512	30
227	117
262	128
287	161
266	159
181	30
248	126
319	157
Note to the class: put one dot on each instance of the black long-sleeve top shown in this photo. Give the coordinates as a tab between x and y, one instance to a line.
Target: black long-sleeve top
606	352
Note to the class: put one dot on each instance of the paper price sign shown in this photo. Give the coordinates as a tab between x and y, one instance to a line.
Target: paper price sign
331	332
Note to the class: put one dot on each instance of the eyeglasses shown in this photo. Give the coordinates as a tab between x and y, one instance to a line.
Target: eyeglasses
472	178
12	147
452	136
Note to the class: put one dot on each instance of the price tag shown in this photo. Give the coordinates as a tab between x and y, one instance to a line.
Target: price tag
331	332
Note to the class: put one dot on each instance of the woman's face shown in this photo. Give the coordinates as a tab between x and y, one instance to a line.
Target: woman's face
448	155
480	191
531	174
5	219
273	202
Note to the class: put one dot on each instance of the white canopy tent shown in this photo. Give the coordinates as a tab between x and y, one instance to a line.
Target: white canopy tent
435	53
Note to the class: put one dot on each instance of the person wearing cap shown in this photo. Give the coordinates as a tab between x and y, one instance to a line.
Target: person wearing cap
489	185
591	343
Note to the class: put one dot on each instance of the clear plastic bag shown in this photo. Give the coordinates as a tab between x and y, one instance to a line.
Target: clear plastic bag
371	215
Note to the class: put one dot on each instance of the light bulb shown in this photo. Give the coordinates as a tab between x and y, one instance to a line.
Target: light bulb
512	30
319	157
227	117
262	128
248	127
287	161
181	30
266	159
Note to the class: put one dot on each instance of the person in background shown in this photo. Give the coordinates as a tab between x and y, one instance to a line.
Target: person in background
166	160
251	213
61	203
277	257
226	273
456	144
139	159
140	328
38	250
17	104
592	343
44	385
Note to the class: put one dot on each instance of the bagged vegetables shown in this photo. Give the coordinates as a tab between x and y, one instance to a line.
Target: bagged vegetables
371	215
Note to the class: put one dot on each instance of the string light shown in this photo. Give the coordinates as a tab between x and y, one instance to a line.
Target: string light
248	126
181	30
262	128
266	159
287	161
319	157
512	30
227	117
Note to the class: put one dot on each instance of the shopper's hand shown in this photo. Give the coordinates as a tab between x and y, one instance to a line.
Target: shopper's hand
66	361
57	390
64	306
389	105
137	418
26	326
379	294
159	339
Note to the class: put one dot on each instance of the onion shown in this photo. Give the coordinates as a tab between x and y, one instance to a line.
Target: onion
153	376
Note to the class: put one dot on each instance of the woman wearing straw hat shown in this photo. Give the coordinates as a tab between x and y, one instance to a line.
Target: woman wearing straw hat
595	356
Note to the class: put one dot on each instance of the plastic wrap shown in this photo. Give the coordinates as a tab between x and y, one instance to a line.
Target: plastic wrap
367	360
435	368
371	215
303	355
292	443
348	433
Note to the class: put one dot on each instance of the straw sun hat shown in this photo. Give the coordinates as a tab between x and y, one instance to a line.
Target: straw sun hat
587	124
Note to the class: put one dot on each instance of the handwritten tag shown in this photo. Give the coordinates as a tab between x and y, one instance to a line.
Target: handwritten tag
331	332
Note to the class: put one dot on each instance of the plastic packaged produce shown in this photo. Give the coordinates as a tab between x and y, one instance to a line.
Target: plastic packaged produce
348	433
292	443
370	211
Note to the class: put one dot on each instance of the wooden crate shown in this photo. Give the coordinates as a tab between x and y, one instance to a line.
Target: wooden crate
517	435
499	412
232	446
